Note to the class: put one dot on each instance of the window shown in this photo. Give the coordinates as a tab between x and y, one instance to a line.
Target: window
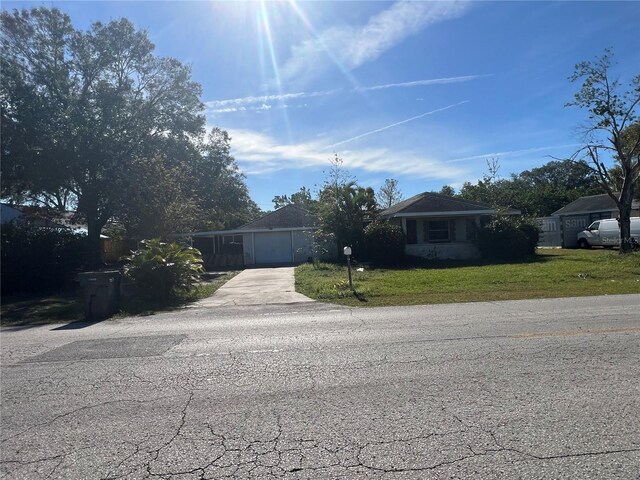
438	231
472	230
412	232
594	226
231	245
232	239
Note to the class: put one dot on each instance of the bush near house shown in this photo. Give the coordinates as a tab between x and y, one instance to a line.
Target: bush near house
164	270
37	259
508	237
384	243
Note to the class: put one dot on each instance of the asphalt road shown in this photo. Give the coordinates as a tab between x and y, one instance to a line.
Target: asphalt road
526	389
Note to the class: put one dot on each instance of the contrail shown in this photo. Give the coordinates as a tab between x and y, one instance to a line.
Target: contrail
512	152
394	125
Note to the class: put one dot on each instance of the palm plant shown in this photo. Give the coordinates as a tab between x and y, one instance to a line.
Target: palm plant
164	270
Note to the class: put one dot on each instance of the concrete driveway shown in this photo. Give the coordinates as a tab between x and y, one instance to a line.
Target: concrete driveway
258	286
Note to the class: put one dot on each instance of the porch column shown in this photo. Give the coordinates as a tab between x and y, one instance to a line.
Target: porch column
253	247
293	256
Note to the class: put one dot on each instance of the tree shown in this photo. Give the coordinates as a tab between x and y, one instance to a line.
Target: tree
612	133
389	193
343	208
447	190
490	189
199	188
543	190
87	116
539	191
302	198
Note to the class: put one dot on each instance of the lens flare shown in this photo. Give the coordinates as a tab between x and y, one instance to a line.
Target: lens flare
266	28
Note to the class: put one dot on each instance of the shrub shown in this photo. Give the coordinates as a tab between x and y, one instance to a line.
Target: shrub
508	237
384	243
164	270
36	258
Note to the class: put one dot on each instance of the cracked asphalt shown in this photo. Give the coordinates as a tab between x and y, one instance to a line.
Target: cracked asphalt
515	390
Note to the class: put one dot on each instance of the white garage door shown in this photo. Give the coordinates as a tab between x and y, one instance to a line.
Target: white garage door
273	247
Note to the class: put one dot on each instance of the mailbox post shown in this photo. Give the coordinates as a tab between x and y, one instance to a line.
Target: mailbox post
347	252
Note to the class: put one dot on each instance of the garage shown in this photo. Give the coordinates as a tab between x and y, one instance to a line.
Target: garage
283	236
273	247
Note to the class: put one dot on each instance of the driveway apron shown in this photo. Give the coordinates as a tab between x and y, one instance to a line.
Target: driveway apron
258	286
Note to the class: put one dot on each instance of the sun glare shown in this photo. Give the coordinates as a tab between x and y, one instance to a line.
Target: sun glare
318	38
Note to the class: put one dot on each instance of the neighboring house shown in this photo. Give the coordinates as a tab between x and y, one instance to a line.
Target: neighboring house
9	213
562	227
439	226
42	217
281	237
47	218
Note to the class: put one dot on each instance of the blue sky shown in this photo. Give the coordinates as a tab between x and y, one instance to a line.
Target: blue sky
423	92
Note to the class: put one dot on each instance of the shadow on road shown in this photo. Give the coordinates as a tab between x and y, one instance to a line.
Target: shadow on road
78	324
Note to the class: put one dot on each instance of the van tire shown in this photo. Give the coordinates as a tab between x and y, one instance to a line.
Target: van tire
582	243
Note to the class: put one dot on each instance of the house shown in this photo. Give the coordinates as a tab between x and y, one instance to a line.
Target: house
563	226
9	213
43	217
46	218
439	226
283	236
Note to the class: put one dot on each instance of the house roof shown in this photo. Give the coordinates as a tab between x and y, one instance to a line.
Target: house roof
289	216
9	213
44	217
436	203
590	204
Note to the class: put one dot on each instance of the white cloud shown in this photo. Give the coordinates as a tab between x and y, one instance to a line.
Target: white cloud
352	46
260	154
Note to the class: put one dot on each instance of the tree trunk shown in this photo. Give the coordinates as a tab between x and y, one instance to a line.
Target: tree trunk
94	244
626	199
88	206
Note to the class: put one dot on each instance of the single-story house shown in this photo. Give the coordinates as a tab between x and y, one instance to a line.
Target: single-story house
9	213
283	236
439	226
42	217
563	226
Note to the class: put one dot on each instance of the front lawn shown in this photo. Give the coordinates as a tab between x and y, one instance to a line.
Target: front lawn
551	273
64	307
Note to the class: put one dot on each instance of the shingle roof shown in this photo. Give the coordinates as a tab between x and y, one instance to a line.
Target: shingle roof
592	203
289	216
429	202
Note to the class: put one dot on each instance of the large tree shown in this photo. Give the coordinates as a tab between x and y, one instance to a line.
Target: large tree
94	119
196	186
539	191
611	135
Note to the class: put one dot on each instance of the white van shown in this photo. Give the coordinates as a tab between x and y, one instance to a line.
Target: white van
606	233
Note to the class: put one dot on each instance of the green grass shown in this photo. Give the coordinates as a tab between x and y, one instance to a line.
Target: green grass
33	309
143	306
551	273
64	307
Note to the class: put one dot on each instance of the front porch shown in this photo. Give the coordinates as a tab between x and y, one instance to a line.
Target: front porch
441	238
